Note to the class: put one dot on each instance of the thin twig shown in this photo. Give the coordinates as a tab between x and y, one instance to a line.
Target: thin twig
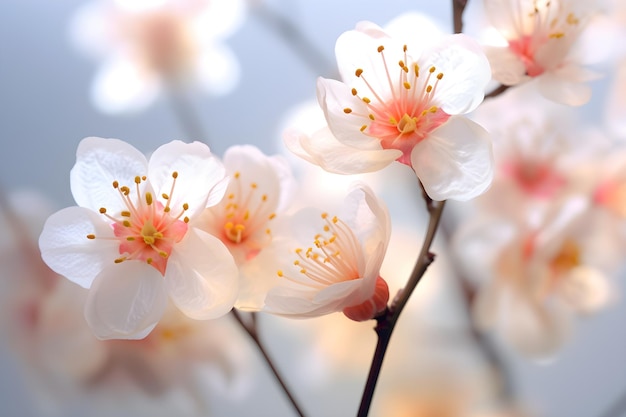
186	115
497	91
386	322
458	7
251	330
293	37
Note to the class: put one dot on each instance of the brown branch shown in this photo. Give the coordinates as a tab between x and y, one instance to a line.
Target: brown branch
458	7
497	91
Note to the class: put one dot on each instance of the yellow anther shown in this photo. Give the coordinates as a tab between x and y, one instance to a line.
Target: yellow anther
165	196
163	254
407	85
429	88
347	110
371	116
433	109
335	219
268	231
432	69
264	197
557	35
253	185
404	48
279	273
303	271
144	178
102	210
231	196
126	223
149	261
416	69
185	206
167	209
131	238
148	198
120	260
116	184
125	213
91	236
271	216
137	179
324	215
366	100
326	228
186	219
572	19
380	48
401	63
354	93
124	189
440	75
358	72
237	174
175	174
393	120
363	128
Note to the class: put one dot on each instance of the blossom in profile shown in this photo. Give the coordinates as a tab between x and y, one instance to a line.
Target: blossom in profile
402	100
147	45
259	190
132	238
334	264
542	42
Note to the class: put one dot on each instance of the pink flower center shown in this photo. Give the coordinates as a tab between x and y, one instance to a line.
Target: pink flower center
147	230
535	179
612	195
407	113
525	48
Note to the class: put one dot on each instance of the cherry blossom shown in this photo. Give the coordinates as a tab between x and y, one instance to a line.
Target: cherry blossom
146	45
534	277
340	271
259	190
132	239
542	43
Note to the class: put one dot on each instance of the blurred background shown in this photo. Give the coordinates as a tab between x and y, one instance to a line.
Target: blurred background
274	51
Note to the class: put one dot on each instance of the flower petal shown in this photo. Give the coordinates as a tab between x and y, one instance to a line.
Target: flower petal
125	301
201	276
466	73
557	87
455	161
506	67
65	248
200	175
323	149
99	162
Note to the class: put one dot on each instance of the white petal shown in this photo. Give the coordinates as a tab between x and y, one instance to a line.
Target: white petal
323	149
99	162
201	276
257	277
455	161
466	72
126	301
199	173
506	67
586	289
562	90
120	86
334	97
415	29
67	251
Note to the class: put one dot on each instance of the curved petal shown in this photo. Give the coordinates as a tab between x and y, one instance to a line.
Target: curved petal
201	276
200	174
506	67
334	97
99	162
125	301
66	249
455	161
323	149
120	86
466	73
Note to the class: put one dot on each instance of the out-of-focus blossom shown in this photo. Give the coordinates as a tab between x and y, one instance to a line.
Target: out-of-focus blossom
132	239
541	42
534	277
148	44
340	270
260	189
402	100
178	367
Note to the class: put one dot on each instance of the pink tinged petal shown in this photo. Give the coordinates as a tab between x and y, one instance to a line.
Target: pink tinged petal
501	14
201	175
121	86
201	277
323	149
466	72
371	307
369	218
125	301
66	249
99	162
345	113
455	161
506	67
